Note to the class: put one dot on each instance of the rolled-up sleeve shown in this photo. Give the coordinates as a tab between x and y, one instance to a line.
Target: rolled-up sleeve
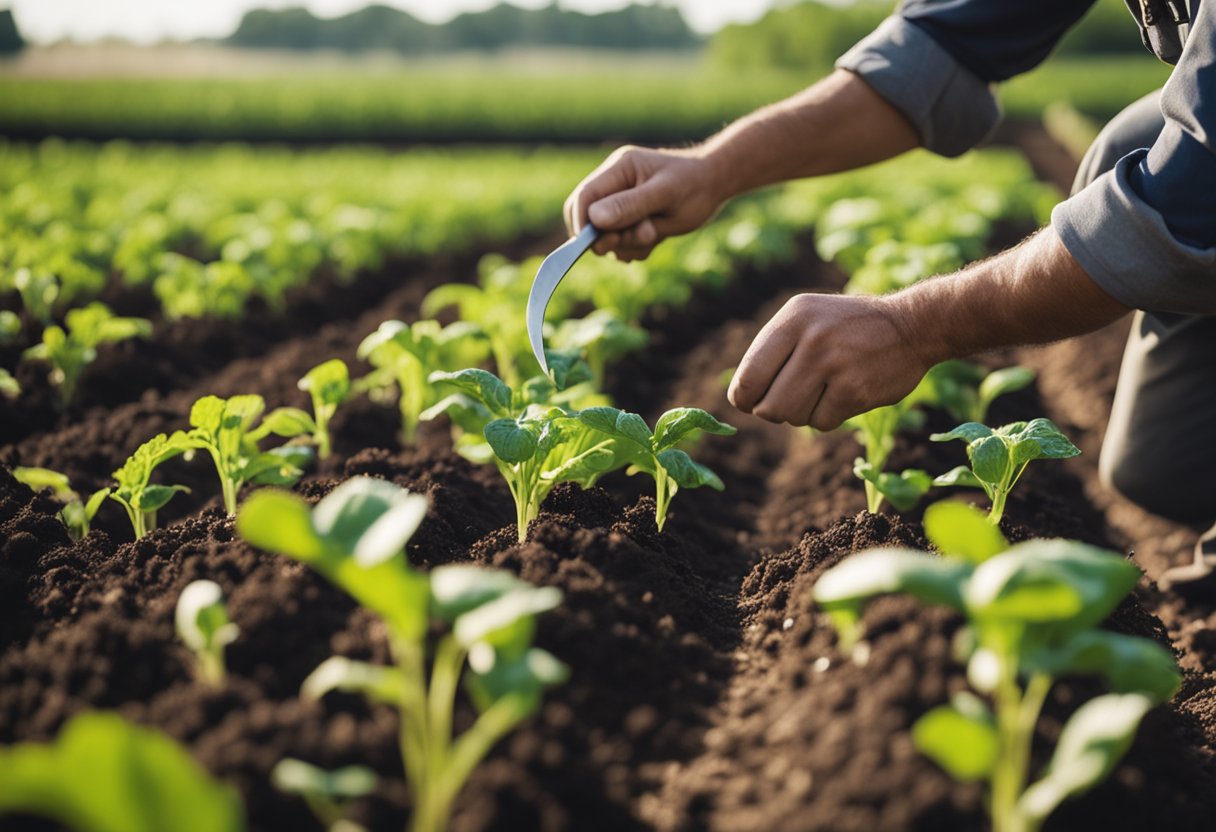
1146	231
936	61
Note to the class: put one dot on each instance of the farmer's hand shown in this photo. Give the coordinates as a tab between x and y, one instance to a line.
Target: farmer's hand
639	197
825	358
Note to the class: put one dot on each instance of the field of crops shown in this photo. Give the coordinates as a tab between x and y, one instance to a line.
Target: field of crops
295	535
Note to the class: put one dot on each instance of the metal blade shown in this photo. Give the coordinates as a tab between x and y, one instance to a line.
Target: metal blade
551	272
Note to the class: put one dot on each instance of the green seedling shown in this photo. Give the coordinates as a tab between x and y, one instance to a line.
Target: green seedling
531	434
71	348
76	514
225	429
875	430
601	337
10	327
39	293
404	356
356	538
1032	614
966	390
203	626
493	307
104	774
135	493
328	385
328	794
999	456
656	452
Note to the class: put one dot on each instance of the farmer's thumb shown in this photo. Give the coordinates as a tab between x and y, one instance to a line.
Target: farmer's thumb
626	209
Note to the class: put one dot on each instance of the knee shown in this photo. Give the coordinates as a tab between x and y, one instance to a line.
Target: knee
1153	487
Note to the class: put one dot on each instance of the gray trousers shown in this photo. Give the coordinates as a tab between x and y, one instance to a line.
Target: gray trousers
1159	450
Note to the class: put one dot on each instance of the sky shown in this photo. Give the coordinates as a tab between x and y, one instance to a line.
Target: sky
147	21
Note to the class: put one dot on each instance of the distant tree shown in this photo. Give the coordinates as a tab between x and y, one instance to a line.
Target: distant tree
11	41
502	26
803	36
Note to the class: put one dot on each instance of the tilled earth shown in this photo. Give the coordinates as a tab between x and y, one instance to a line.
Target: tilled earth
706	692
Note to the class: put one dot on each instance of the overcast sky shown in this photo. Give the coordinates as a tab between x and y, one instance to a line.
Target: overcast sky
152	20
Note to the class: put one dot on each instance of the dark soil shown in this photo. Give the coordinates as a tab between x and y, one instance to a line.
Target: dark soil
706	691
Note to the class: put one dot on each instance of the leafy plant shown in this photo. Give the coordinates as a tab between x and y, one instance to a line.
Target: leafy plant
876	430
76	514
404	356
966	390
225	429
203	626
656	452
534	439
999	456
1032	613
356	537
494	307
328	384
327	793
135	493
10	326
71	348
104	774
600	337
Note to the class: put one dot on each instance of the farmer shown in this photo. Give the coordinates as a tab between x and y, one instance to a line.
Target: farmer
1138	233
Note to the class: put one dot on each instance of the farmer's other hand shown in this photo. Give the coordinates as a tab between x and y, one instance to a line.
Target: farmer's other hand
825	358
639	197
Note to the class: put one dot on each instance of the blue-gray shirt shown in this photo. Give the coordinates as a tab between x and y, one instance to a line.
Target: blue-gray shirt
1145	231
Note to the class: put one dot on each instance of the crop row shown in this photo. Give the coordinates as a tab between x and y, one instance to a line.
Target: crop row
1032	610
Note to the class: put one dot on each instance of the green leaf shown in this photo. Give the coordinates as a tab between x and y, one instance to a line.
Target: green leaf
968	432
617	423
287	422
963	531
990	459
687	473
279	521
1092	743
298	777
207	414
369	519
961	476
1051	581
511	441
377	682
328	383
94	503
155	497
676	424
40	478
1041	439
1130	664
458	589
525	675
495	622
103	774
201	618
387	332
964	744
1005	380
566	368
903	490
586	466
466	413
482	385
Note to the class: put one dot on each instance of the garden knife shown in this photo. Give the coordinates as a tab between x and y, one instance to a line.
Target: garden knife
551	272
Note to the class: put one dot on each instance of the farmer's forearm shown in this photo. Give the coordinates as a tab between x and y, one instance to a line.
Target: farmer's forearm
1031	294
838	124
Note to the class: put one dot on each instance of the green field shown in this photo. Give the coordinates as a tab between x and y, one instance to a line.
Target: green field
646	101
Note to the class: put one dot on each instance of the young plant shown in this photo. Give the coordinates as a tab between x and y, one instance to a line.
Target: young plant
1032	614
225	429
76	514
9	387
71	348
328	385
203	626
998	457
876	430
494	308
104	774
404	356
135	493
655	452
966	390
601	337
535	441
356	538
327	793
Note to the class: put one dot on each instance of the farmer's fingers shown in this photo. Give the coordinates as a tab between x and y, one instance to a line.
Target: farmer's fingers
760	365
794	392
618	172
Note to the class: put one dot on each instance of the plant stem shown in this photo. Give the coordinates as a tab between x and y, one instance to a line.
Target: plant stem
493	724
873	497
662	497
1017	714
998	507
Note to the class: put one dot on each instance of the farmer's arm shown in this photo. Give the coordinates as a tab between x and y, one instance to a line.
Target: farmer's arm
1141	236
922	78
